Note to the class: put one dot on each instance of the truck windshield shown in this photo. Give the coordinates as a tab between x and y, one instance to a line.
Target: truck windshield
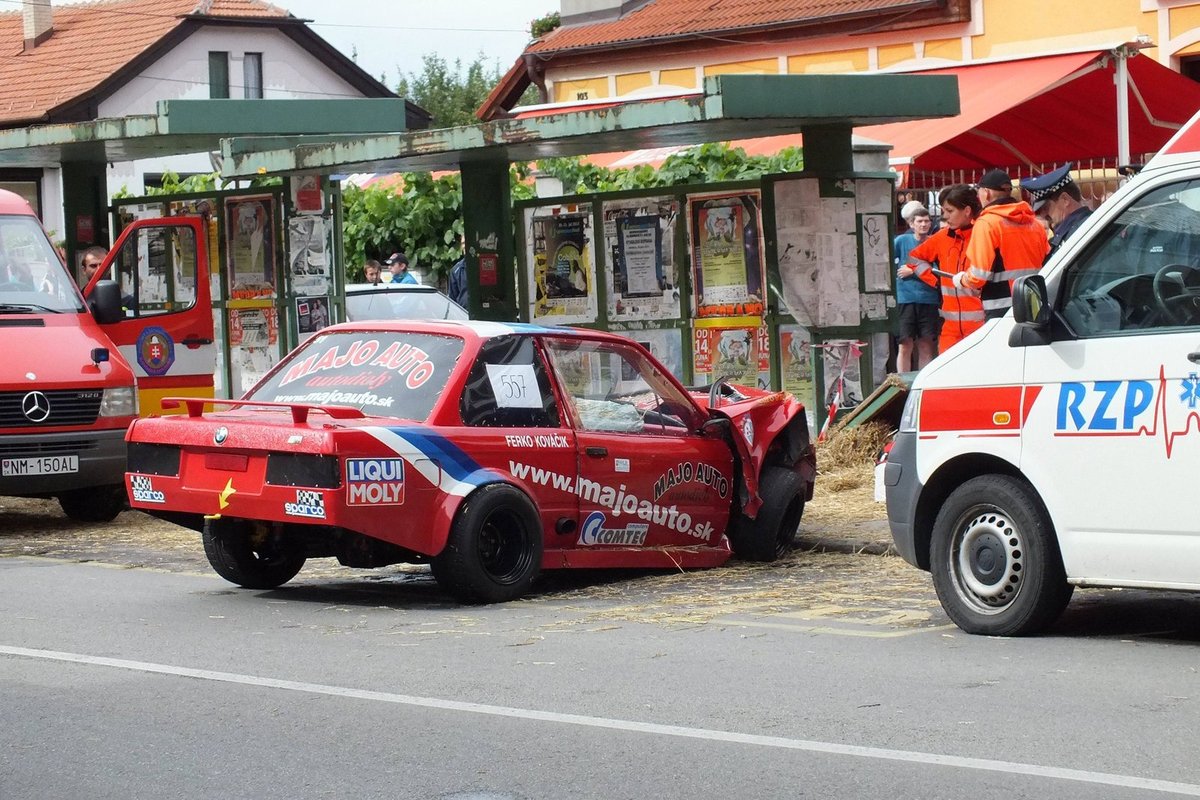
32	279
385	373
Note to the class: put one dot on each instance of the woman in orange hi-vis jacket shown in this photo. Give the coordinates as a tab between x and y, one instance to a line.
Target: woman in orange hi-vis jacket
962	311
1007	243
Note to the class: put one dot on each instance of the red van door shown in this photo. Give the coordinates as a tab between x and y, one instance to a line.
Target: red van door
167	334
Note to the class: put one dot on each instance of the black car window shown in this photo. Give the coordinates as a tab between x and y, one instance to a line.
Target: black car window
509	387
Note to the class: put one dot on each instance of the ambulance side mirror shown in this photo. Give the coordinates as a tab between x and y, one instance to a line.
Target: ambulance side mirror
1031	301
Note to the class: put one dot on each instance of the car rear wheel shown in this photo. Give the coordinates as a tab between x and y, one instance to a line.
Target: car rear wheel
253	556
995	559
96	504
772	533
494	552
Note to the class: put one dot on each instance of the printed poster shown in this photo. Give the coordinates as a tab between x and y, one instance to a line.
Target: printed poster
639	240
563	283
739	355
250	246
843	379
727	264
312	314
253	345
308	240
666	345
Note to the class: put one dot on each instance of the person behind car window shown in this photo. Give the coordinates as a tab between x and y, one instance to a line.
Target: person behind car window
371	270
397	264
90	261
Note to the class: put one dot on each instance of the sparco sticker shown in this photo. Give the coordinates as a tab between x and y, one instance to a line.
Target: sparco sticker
144	491
308	504
374	481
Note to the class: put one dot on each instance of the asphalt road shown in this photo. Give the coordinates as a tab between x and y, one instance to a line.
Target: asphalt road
826	677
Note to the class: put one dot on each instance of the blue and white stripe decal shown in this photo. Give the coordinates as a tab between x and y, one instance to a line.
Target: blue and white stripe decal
436	458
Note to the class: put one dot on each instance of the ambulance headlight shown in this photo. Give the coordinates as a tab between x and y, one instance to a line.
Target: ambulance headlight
120	401
912	411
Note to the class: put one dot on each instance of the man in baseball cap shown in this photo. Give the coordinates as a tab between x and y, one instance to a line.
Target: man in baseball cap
397	264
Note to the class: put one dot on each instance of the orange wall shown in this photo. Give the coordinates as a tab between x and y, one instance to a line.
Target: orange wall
761	66
568	91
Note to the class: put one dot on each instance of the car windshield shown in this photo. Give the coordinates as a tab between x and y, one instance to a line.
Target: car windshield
32	278
394	374
383	303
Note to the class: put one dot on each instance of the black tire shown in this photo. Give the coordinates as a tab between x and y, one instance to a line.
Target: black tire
494	551
995	559
772	533
96	504
251	556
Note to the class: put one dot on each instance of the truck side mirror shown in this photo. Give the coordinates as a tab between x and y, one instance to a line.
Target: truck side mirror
105	301
1031	302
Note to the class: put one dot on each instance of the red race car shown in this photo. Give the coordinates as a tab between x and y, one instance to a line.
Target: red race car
490	450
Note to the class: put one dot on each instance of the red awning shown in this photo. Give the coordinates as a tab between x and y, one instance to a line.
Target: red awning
1042	111
1023	113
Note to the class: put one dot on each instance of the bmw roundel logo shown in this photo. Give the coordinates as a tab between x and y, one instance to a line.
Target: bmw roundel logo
220	435
36	407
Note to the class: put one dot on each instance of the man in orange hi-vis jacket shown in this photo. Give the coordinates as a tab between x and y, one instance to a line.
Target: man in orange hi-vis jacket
961	310
1006	243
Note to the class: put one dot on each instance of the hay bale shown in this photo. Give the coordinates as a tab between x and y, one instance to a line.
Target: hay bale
849	447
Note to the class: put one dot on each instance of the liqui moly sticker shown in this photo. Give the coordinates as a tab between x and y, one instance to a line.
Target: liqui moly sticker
375	481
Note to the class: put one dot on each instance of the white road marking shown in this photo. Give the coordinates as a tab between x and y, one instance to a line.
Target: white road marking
832	748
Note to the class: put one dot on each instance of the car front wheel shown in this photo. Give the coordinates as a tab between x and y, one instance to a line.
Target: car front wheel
771	534
252	556
494	552
995	559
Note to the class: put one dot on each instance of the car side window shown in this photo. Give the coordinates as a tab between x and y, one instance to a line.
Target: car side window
509	387
1142	272
615	388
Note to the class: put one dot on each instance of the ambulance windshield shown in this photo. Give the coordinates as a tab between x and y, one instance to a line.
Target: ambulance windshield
32	278
384	373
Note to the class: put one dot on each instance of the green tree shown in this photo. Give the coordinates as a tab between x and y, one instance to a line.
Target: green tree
447	92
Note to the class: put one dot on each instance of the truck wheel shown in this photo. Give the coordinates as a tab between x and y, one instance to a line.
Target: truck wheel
771	534
995	559
495	547
96	504
250	555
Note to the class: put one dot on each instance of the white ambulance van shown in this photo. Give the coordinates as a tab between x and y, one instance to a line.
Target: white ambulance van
1060	446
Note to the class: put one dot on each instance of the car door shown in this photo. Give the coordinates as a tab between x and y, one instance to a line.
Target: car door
1112	434
167	334
647	477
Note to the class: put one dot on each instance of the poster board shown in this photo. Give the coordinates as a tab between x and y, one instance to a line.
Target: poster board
250	246
727	266
738	353
309	254
638	238
560	271
253	345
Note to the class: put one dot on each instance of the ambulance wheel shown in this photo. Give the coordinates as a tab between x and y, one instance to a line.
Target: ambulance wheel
995	559
252	556
771	534
97	504
494	551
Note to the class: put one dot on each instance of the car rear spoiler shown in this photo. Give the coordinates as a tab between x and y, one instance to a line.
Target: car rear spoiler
300	411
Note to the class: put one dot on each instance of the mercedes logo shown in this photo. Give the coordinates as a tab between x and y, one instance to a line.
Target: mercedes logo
36	407
220	435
